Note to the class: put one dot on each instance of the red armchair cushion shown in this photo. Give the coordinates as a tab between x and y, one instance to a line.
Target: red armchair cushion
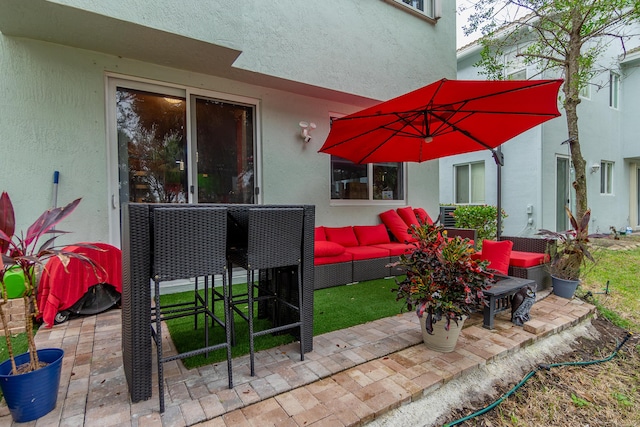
318	234
371	234
324	249
341	235
423	216
396	225
527	259
498	254
408	215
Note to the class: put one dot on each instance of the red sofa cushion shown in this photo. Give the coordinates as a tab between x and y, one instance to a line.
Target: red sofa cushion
345	257
408	216
318	234
371	234
396	225
366	252
341	235
324	248
423	216
395	248
527	259
498	254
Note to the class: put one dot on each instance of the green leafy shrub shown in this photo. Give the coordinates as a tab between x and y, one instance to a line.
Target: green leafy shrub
482	218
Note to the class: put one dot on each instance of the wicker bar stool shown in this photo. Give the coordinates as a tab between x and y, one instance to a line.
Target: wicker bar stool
187	244
274	241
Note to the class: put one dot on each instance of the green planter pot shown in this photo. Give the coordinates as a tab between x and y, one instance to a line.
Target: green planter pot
441	340
564	288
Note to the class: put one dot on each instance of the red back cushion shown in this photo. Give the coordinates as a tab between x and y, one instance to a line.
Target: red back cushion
408	216
423	216
318	234
498	254
341	235
396	225
324	249
371	234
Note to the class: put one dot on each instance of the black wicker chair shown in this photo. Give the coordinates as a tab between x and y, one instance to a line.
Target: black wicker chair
189	243
274	241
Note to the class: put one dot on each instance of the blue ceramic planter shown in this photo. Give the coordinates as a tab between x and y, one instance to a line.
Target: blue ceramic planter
30	396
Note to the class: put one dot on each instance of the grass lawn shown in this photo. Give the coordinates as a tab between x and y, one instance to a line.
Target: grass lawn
334	308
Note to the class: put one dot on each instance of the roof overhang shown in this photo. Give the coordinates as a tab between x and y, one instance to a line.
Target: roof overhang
65	25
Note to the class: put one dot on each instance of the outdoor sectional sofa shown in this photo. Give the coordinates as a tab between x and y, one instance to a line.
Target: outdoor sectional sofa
362	252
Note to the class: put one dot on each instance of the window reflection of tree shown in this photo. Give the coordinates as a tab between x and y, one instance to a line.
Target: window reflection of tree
153	127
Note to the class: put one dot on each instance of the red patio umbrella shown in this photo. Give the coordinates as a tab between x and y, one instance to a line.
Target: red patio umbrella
442	119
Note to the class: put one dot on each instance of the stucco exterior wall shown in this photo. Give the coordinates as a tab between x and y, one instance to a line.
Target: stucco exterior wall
53	114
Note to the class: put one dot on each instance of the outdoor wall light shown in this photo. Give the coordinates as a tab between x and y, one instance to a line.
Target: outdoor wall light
595	167
306	129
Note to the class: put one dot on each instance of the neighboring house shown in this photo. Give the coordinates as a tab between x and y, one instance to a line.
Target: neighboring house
200	101
537	173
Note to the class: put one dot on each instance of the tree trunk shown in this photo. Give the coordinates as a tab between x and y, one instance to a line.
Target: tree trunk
572	99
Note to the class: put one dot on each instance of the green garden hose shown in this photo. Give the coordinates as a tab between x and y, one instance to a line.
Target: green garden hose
529	375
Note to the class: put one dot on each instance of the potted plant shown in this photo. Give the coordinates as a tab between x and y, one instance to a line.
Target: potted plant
443	283
569	254
30	381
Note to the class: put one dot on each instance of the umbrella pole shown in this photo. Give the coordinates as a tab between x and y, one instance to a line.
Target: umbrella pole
497	155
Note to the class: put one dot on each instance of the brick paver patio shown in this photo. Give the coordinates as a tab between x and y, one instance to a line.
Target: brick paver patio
351	377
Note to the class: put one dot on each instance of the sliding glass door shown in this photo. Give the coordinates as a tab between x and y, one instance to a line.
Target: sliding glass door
178	145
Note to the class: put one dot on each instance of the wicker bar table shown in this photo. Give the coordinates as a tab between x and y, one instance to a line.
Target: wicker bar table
137	225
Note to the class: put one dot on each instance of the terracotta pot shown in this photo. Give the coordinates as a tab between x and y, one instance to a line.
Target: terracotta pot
441	340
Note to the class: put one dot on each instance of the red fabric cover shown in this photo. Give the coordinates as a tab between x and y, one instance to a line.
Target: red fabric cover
498	254
395	248
371	234
341	235
396	225
324	248
345	257
366	252
60	289
423	216
527	259
408	216
318	234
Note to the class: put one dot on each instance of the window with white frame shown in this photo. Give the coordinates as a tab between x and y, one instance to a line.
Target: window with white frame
585	91
428	8
469	183
606	177
514	66
377	182
614	89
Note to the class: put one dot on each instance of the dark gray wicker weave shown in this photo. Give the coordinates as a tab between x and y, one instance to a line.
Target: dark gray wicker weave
189	243
329	275
274	240
369	269
538	273
137	223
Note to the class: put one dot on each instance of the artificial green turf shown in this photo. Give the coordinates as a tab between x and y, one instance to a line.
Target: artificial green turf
334	308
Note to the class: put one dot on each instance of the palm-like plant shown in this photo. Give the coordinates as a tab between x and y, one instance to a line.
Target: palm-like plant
571	249
22	251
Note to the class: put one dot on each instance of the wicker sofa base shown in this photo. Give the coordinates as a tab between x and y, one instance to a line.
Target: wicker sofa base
370	269
328	275
538	273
